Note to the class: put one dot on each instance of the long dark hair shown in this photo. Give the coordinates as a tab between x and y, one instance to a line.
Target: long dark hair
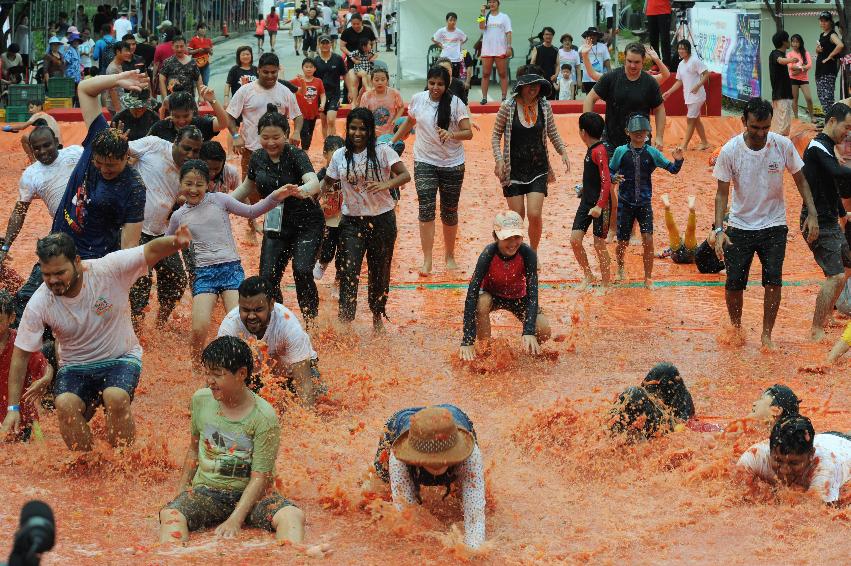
803	50
365	115
273	118
444	105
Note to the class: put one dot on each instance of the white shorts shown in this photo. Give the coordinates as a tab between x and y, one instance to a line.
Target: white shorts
693	110
781	122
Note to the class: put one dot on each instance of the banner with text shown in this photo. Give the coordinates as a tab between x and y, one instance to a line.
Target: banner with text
727	41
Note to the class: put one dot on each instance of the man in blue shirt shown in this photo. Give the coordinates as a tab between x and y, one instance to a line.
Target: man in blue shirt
104	50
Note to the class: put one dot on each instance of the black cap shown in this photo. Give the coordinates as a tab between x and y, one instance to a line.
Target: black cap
826	16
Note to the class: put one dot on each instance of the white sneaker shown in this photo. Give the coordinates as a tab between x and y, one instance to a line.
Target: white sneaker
318	271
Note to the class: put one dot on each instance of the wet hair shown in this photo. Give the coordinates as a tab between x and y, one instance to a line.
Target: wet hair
838	112
58	244
779	38
229	353
111	143
442	60
239	51
685	44
39	124
451	15
785	399
792	435
36	102
256	285
800	39
635	47
565	36
664	382
212	151
273	119
333	143
269	59
592	123
308	61
189	131
196	165
181	100
377	70
7	303
636	413
365	115
758	109
444	105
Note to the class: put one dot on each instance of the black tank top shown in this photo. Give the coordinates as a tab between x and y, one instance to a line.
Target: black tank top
827	46
546	59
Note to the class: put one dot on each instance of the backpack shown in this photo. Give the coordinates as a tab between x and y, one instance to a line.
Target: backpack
107	54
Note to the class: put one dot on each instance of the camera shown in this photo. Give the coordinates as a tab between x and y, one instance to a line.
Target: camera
36	534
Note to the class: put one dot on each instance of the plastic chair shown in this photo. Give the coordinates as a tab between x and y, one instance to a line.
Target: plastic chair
432	56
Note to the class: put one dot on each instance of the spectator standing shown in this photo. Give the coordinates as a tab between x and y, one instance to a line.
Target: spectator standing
201	49
659	27
545	56
450	39
599	56
829	50
104	50
799	71
71	56
122	25
781	84
273	21
496	47
87	45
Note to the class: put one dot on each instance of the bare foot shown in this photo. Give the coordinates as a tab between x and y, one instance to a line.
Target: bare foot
378	324
450	264
648	283
691	200
701	146
621	274
666	200
426	267
767	343
586	282
817	334
610	237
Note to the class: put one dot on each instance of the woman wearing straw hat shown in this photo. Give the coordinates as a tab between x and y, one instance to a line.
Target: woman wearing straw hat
431	446
526	120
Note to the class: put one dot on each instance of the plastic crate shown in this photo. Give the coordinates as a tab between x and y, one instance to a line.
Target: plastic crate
17	114
51	103
2	114
61	87
22	95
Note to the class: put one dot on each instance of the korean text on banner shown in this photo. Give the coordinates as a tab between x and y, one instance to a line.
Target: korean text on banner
727	41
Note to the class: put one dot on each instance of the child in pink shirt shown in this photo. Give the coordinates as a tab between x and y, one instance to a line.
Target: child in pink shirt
385	102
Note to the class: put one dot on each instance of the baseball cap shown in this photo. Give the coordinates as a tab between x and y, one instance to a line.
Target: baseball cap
637	123
507	224
324	39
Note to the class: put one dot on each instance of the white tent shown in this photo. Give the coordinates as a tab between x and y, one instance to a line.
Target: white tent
419	19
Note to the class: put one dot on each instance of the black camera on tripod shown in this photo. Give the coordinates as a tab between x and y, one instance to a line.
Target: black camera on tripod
680	7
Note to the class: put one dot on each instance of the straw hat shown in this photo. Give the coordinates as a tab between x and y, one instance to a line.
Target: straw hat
433	439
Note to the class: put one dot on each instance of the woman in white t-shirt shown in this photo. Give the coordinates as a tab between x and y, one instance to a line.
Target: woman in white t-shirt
366	172
692	74
442	121
496	46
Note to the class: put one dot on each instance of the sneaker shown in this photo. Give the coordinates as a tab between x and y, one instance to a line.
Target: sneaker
484	101
318	271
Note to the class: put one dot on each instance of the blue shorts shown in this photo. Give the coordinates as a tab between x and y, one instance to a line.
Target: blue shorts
218	278
88	381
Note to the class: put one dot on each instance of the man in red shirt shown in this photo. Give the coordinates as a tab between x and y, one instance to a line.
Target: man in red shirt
201	49
311	100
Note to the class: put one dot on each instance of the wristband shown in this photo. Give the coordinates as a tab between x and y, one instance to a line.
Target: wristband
718	230
235	136
15	408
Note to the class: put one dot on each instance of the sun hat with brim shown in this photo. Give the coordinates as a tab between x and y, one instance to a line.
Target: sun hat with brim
531	79
74	37
72	30
507	225
637	123
54	39
592	31
434	439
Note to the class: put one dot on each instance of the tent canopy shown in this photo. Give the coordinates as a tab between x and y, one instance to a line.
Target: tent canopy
419	19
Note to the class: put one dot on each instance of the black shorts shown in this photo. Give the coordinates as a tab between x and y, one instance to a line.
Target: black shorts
796	82
539	185
517	307
259	35
272	33
610	23
628	214
830	250
582	220
332	101
587	87
769	244
456	69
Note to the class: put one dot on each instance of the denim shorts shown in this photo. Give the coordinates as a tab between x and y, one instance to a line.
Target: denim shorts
206	507
218	278
88	381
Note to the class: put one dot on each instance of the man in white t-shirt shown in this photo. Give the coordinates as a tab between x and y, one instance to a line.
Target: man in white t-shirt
450	39
45	179
598	55
259	316
158	163
692	74
796	455
122	25
250	102
100	358
754	163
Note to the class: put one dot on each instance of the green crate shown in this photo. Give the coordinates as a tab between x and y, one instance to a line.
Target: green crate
61	87
17	114
21	95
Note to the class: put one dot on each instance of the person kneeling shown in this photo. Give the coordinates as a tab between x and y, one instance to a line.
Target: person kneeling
227	478
434	446
506	277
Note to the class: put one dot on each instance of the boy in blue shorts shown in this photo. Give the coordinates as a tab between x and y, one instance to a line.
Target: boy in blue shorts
632	165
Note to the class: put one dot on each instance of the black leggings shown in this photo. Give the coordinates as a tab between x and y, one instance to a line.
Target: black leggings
299	239
330	245
171	282
307	128
659	32
374	236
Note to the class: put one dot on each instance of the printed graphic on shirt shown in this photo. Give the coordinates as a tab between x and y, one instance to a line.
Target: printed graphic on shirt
382	116
311	93
227	454
102	306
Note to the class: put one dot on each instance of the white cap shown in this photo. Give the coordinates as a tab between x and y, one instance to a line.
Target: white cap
507	224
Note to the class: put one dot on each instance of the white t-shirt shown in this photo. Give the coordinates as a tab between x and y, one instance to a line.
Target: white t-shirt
162	181
608	8
94	325
598	55
565	88
427	145
298	25
451	42
327	16
494	41
250	102
689	72
832	470
122	27
48	182
86	49
356	201
757	201
286	339
572	58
